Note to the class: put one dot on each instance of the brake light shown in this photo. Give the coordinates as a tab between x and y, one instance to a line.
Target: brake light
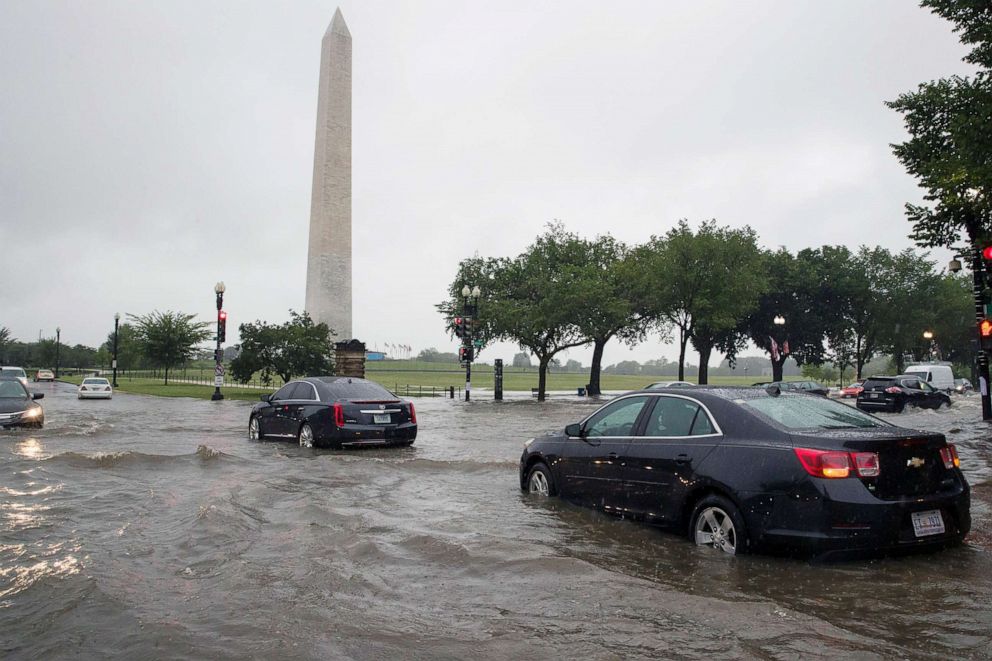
413	414
893	390
835	465
338	414
950	456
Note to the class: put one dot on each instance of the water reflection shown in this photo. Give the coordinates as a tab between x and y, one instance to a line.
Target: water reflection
30	448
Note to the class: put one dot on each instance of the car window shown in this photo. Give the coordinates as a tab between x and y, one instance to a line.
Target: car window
12	389
913	384
303	390
285	392
616	419
927	387
13	371
96	382
794	412
674	416
345	389
877	384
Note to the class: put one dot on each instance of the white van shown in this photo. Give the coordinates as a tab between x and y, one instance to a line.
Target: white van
939	376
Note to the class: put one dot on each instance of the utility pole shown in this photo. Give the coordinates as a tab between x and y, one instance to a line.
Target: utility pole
117	321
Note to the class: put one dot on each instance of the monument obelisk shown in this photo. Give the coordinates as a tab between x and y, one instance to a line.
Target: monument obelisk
328	297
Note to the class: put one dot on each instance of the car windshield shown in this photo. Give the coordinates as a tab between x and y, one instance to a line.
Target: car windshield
812	413
13	371
12	390
95	382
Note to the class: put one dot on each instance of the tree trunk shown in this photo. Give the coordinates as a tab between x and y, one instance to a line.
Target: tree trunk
683	339
704	364
777	366
542	377
167	375
597	362
859	358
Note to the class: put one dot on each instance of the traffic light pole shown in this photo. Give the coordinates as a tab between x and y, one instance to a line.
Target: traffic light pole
978	271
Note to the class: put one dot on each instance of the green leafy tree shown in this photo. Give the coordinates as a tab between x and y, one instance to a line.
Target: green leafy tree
128	347
6	339
169	339
521	360
298	347
950	126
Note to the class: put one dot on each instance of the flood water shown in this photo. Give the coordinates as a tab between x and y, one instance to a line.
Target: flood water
153	528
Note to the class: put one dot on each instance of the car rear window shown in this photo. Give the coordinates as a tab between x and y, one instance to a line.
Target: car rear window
811	413
95	382
877	383
358	390
13	371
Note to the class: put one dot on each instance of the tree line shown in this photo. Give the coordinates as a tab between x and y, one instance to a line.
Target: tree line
714	288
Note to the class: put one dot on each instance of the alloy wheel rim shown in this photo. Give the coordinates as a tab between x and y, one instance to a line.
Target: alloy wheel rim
539	483
253	429
306	437
715	528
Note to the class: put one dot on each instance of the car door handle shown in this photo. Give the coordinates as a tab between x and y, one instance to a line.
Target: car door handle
682	459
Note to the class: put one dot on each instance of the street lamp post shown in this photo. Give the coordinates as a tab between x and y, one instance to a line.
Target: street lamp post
58	345
219	289
928	336
117	321
470	311
778	348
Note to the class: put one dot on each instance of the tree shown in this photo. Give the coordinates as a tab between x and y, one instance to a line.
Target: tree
797	292
128	347
298	347
521	360
169	339
950	124
5	340
703	283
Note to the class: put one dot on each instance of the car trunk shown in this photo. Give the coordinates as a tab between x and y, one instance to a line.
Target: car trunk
376	412
910	464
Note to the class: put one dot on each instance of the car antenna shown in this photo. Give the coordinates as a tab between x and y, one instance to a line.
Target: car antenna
773	390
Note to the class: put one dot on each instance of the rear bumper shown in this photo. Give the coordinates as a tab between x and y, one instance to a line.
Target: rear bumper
840	518
353	436
95	395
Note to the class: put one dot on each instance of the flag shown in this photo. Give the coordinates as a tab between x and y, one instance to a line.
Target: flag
785	348
774	349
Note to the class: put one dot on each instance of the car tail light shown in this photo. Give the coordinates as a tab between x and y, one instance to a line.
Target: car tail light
835	464
893	390
338	414
866	463
950	456
413	414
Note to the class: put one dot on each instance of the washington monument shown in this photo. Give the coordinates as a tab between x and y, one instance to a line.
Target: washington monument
329	254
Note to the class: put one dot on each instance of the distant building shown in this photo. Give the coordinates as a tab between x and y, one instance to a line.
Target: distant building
375	355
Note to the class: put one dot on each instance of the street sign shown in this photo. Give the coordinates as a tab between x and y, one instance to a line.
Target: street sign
218	370
113	363
218	381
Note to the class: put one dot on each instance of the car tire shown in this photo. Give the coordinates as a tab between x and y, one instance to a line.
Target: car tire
717	522
305	435
540	481
255	429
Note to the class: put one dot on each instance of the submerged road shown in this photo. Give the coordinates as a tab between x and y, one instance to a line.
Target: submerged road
153	528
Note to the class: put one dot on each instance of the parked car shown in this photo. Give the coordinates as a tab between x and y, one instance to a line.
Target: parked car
44	375
18	407
95	387
16	372
852	390
745	469
939	376
337	411
811	387
962	385
670	384
894	393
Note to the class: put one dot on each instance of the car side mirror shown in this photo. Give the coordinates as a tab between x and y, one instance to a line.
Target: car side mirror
265	398
575	430
37	395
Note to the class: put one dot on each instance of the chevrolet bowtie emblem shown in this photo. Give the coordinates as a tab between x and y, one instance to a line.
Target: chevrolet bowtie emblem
915	462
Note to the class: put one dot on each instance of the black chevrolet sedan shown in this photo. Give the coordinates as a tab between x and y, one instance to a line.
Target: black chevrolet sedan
749	469
17	405
335	411
894	393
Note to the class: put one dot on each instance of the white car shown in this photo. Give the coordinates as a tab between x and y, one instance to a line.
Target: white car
44	375
95	388
16	372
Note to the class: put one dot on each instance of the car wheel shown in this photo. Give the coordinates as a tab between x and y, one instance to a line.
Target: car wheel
305	436
716	522
540	481
255	429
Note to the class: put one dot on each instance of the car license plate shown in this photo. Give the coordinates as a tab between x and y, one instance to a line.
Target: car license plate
381	418
928	523
873	395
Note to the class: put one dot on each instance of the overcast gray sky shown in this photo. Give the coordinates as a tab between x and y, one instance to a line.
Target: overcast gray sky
148	150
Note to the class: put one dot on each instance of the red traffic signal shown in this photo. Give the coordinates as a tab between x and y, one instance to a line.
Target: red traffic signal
985	328
987	253
221	315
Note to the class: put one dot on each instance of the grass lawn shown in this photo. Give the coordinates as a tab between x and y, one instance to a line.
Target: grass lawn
437	376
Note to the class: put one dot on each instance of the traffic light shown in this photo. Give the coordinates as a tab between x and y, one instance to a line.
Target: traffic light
985	333
987	253
466	354
459	327
221	325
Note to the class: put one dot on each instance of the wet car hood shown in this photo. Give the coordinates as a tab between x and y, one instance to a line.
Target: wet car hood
14	404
